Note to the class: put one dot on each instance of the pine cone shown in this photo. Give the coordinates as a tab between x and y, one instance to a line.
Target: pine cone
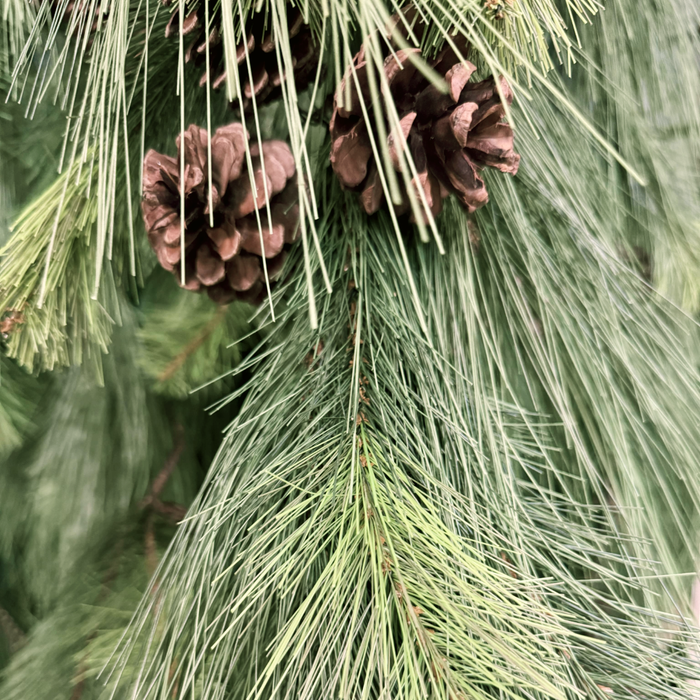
77	7
450	136
225	259
265	70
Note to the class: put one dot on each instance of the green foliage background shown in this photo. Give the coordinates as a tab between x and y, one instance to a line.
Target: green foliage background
468	475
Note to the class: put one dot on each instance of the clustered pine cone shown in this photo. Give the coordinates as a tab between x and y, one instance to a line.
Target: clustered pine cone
450	136
226	259
266	75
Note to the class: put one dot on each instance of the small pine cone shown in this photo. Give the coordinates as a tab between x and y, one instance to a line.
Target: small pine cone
226	259
78	7
450	135
264	68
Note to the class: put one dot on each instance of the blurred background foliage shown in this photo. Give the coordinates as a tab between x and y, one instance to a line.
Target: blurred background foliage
99	462
80	448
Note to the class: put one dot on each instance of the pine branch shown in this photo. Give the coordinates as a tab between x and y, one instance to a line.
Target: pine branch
126	47
656	124
44	276
102	247
341	556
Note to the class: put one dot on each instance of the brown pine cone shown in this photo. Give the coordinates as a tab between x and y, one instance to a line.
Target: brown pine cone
76	7
226	259
267	77
450	135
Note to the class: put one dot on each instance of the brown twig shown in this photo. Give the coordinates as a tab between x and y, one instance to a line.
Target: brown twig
152	502
16	638
78	690
193	345
151	551
172	511
10	319
165	473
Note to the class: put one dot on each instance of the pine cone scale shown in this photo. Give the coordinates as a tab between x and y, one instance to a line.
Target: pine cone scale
400	71
265	242
226	239
171	235
189	24
243	272
496	140
457	78
248	197
373	193
210	267
350	103
398	139
245	48
279	151
228	155
260	81
452	131
350	156
276	175
463	177
216	83
158	216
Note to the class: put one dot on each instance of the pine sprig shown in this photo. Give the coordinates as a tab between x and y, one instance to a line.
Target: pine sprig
342	544
47	273
84	470
65	650
655	122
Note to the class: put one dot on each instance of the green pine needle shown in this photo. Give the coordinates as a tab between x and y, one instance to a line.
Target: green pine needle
47	276
19	394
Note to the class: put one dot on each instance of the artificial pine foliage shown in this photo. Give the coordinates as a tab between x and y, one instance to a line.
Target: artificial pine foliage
179	358
451	452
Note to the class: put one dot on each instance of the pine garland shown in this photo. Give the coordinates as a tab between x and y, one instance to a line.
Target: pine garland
459	460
